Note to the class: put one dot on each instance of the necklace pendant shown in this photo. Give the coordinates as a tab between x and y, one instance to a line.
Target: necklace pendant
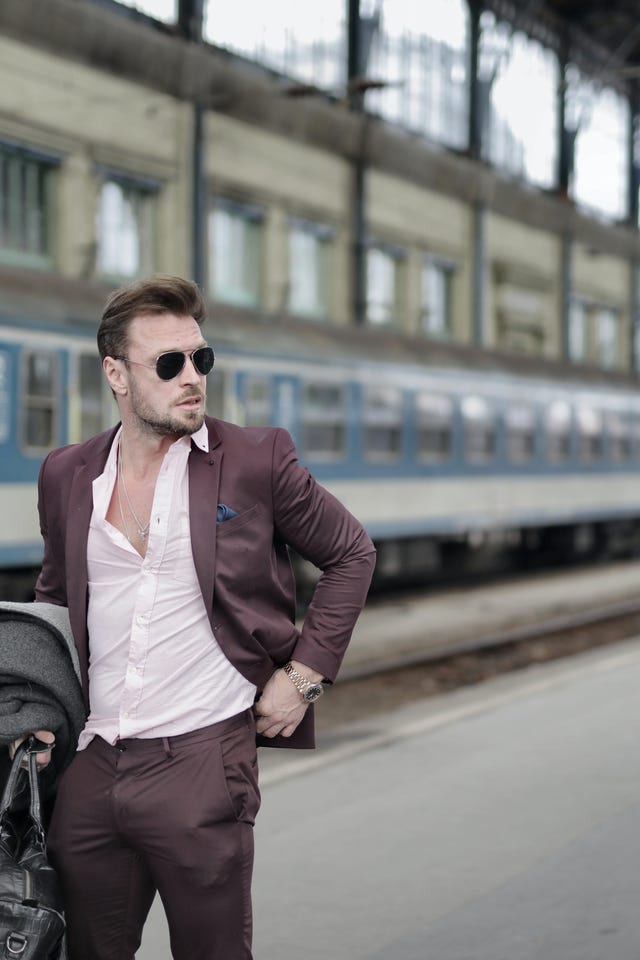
143	535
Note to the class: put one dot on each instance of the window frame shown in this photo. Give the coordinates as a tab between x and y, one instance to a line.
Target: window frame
249	291
45	164
27	401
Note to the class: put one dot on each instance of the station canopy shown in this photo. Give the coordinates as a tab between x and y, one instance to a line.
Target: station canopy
604	33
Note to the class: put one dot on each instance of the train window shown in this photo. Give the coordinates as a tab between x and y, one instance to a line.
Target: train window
41	376
590	434
323	420
215	400
5	396
619	430
479	425
90	395
257	395
382	423
558	431
433	426
521	433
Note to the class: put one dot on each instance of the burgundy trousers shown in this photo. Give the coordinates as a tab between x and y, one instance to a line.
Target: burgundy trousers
173	815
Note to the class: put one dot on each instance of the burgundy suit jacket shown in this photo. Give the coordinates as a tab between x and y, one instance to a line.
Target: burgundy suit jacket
242	564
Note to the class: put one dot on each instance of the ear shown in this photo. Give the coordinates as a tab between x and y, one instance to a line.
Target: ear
115	372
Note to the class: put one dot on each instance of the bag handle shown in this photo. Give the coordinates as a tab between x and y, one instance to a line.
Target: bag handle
30	748
10	792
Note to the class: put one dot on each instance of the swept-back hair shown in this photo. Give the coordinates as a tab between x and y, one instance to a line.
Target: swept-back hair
155	295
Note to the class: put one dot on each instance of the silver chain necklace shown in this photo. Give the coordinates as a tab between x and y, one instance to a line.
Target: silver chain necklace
142	530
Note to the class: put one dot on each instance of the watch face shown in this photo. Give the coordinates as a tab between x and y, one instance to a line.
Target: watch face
314	691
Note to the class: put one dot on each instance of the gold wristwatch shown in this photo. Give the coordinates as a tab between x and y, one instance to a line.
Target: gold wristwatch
308	690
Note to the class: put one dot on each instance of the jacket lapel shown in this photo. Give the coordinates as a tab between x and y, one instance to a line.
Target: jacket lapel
78	520
204	485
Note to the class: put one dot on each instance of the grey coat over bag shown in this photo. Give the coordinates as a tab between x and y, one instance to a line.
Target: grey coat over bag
39	685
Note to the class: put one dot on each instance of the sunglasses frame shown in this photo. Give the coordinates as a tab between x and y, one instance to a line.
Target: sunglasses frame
169	353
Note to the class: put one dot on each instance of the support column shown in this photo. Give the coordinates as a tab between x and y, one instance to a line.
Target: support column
355	70
191	25
634	157
634	316
476	119
479	275
566	288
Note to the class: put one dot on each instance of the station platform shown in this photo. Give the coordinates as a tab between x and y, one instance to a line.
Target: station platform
398	631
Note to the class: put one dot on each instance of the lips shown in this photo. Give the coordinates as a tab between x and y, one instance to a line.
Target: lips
190	402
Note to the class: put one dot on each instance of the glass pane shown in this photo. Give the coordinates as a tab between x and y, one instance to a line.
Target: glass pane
258	400
90	384
420	53
479	430
40	374
520	423
306	42
520	78
124	230
308	273
39	431
323	419
577	331
383	423
598	119
607	334
590	436
235	247
435	299
23	203
433	426
381	287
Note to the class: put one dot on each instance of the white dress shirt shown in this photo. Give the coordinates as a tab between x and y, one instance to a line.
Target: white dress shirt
155	668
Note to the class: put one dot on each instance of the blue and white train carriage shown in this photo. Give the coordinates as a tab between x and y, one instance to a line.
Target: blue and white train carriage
436	448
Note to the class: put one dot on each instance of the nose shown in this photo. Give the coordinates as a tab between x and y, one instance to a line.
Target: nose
189	373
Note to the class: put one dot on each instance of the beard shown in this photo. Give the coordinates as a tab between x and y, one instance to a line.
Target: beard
164	424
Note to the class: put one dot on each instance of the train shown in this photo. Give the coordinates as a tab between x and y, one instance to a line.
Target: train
439	449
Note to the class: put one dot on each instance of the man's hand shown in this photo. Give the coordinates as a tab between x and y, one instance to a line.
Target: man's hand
281	708
42	759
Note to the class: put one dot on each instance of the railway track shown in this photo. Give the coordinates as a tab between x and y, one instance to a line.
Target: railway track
368	690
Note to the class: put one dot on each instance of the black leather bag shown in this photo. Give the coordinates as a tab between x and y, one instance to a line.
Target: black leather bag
31	915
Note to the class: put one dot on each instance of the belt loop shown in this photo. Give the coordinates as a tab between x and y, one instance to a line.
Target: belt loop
167	748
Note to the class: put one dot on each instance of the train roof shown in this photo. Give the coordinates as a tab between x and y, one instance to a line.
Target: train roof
48	300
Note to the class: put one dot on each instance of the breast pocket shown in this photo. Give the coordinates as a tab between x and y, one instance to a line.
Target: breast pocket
229	527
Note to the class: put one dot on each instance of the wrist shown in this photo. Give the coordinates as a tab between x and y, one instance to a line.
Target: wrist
310	690
313	675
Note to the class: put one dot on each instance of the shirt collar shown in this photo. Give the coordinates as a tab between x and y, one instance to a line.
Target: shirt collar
201	438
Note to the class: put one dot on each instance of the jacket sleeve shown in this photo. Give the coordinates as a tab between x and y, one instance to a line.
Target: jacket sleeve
320	529
50	585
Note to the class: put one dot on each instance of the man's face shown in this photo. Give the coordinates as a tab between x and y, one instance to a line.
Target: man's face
164	407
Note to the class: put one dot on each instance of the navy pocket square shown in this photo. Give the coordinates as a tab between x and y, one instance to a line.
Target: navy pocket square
224	513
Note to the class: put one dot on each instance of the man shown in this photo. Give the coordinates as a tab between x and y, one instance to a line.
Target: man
167	539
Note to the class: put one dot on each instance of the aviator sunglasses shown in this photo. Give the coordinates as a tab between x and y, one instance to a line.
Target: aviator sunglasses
169	365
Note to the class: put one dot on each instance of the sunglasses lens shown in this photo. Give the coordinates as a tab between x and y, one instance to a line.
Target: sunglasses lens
169	365
203	360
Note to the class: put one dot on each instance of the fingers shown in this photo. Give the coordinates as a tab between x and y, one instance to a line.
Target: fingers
43	758
279	722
